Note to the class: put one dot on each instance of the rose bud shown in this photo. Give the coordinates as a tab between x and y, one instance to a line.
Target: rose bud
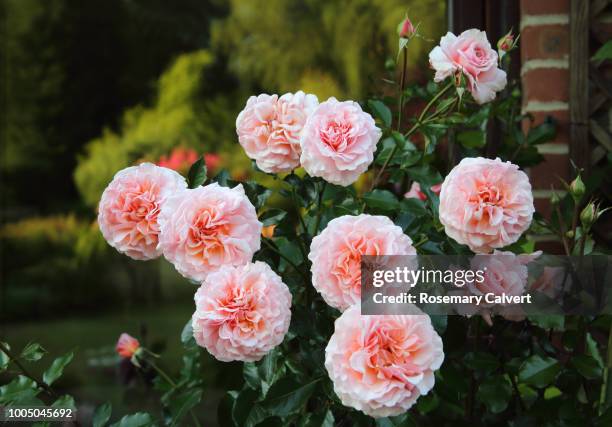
405	29
127	346
506	43
577	189
588	216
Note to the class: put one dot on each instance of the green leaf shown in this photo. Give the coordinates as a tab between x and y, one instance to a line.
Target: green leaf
604	52
495	392
587	366
381	199
20	389
251	375
472	139
187	332
404	420
139	419
33	352
551	393
102	414
181	403
57	368
542	133
4	359
287	396
481	361
539	371
380	111
549	321
197	173
272	216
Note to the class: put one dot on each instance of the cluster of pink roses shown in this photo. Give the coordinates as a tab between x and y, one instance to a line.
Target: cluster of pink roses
378	364
333	140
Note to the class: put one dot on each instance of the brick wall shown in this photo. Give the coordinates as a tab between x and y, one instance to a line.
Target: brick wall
545	78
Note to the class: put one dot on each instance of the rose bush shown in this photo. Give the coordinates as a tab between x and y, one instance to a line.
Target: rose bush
279	287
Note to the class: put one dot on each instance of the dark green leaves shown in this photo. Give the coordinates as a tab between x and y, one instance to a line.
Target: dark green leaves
57	368
139	419
272	216
33	352
472	138
587	366
19	390
101	415
381	199
481	361
381	111
4	359
495	392
197	173
287	396
539	371
542	133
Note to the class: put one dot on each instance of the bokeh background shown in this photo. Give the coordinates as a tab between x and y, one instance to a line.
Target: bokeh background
90	87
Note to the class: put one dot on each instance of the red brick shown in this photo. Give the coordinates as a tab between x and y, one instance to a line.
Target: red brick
544	7
544	42
562	119
547	173
546	84
543	207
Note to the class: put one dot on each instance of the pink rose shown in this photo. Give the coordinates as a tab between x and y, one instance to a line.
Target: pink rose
127	346
486	203
130	205
338	142
416	193
241	312
552	281
471	54
269	129
207	227
382	364
504	273
336	254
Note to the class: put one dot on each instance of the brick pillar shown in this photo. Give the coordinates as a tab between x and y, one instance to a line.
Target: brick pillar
545	78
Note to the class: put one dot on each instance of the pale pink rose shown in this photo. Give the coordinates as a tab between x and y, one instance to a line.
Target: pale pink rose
207	227
130	205
336	254
486	203
504	273
552	281
241	312
269	129
382	364
415	191
471	54
338	142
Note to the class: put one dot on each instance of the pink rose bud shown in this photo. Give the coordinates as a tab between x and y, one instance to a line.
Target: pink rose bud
506	43
127	346
405	29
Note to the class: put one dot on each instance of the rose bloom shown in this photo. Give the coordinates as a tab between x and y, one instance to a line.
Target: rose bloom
127	346
241	312
552	281
207	227
336	254
338	142
130	205
269	129
486	203
382	364
416	193
504	273
471	54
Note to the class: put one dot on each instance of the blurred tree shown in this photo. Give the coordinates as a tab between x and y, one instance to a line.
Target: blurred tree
69	68
328	47
188	112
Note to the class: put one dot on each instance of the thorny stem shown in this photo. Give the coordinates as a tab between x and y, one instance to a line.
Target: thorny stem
606	375
562	231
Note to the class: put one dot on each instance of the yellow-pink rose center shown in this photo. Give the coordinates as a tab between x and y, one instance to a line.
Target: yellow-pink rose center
206	232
